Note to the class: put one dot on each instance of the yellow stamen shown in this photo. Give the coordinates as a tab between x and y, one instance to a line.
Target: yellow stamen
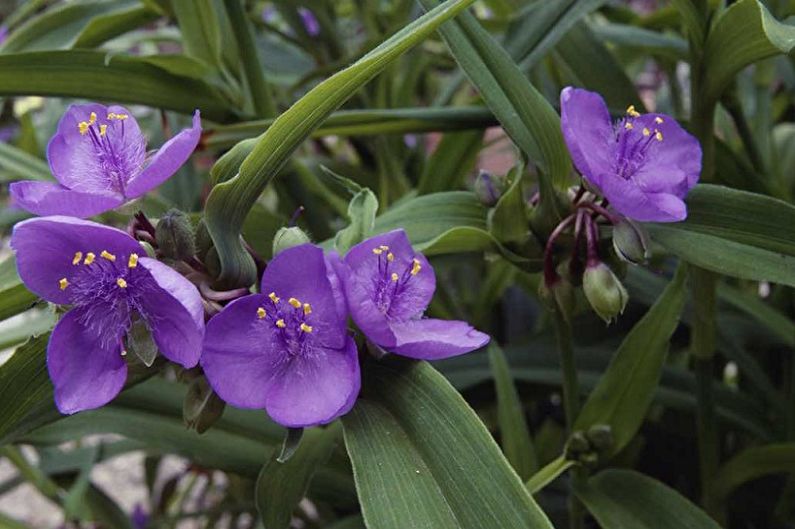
63	283
378	251
113	115
629	126
658	120
92	118
384	247
294	302
390	257
306	328
107	255
395	277
416	267
83	127
132	262
280	323
121	282
658	135
89	258
307	309
103	129
261	313
124	352
273	297
632	112
646	131
77	257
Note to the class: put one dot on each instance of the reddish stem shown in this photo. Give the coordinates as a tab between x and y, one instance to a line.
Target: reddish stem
550	275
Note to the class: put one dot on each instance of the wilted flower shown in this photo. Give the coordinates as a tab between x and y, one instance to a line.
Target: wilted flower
286	350
644	164
388	286
100	160
104	275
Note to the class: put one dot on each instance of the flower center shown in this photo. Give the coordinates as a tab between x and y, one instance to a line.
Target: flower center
291	320
634	142
391	281
117	157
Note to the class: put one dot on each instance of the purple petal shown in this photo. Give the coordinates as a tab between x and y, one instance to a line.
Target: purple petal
85	373
315	388
173	310
588	131
171	156
673	163
238	356
46	198
45	248
630	200
301	272
430	339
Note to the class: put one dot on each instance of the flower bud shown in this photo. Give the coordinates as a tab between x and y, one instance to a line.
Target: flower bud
604	291
489	188
287	238
201	407
577	445
600	436
174	235
630	241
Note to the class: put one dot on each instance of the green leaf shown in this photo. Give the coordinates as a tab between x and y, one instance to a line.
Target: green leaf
625	391
201	34
548	474
453	159
105	27
361	212
514	432
508	219
98	75
734	232
751	464
23	165
422	458
230	201
744	33
281	486
625	499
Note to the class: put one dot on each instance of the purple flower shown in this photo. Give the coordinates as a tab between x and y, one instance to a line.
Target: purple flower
100	161
106	277
139	517
388	287
310	22
644	164
286	350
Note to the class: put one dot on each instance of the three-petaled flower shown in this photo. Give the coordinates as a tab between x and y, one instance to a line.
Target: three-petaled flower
99	158
388	286
105	276
287	349
644	164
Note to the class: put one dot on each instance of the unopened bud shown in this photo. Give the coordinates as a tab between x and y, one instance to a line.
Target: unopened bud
604	291
287	238
202	407
174	235
489	188
600	436
577	445
630	241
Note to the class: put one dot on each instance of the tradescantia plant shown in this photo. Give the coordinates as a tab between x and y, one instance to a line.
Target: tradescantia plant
400	264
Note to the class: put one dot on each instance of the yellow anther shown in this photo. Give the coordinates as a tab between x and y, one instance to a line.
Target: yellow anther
294	302
395	277
658	120
92	118
390	257
646	131
658	135
261	313
83	127
63	283
416	267
124	352
378	251
280	323
89	258
107	255
306	328
629	126
121	282
307	309
384	247
77	257
632	112
113	115
273	297
103	129
132	262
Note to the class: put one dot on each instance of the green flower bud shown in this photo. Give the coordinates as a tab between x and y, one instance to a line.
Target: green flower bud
287	238
577	445
201	407
630	241
174	235
604	291
600	436
489	188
